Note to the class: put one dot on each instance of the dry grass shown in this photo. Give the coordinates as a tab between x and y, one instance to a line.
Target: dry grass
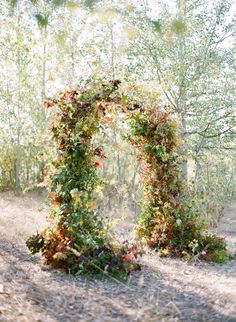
20	216
165	289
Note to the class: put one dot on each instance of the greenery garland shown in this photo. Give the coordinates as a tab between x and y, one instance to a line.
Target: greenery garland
80	240
169	221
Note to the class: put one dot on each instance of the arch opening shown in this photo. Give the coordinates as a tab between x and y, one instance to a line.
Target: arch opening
119	196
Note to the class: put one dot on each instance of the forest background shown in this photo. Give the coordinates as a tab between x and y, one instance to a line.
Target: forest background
182	53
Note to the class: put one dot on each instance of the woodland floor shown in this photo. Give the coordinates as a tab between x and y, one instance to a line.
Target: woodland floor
164	290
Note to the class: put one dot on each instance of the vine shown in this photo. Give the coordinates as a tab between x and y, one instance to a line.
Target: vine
79	239
169	221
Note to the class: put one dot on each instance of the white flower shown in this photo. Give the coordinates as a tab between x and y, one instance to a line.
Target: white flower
178	222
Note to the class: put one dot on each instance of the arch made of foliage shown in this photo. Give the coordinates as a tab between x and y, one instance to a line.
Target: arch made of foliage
79	239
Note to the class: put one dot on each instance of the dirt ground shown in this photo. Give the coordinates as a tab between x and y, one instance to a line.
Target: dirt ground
164	290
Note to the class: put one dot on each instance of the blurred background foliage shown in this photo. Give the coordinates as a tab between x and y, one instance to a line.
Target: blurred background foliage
182	52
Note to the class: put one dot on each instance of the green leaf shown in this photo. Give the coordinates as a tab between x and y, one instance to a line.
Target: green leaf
90	3
157	25
178	26
42	20
34	2
150	148
58	3
13	3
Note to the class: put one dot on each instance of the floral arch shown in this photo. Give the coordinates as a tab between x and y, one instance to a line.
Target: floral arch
79	239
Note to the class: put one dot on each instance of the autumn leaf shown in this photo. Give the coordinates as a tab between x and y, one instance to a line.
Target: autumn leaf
90	204
99	189
59	256
85	128
52	195
165	251
55	203
98	164
107	120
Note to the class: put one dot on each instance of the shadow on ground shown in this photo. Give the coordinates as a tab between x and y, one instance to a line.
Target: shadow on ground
32	294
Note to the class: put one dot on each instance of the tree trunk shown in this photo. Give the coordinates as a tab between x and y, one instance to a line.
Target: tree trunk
17	165
181	103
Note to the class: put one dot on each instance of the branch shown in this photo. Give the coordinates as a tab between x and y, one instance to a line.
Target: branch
219	148
213	135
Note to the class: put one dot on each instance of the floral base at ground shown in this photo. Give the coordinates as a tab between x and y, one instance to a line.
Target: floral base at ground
79	239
